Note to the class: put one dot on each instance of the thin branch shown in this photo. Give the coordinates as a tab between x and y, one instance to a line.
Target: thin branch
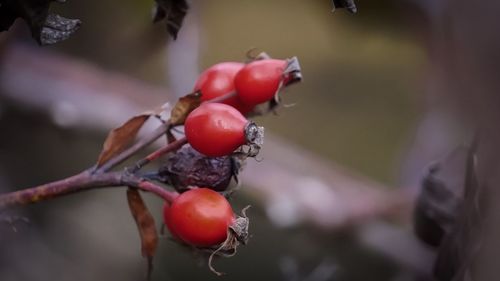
173	146
83	181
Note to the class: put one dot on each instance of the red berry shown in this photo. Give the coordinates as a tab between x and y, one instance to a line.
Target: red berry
199	217
259	80
218	80
215	129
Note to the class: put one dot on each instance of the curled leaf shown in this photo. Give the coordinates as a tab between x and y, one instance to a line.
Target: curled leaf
183	107
173	11
146	225
120	138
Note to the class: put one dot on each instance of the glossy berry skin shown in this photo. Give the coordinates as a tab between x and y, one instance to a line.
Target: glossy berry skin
218	80
215	129
168	221
199	217
259	80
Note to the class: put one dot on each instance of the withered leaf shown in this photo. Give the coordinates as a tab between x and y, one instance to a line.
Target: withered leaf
347	4
45	28
183	107
187	167
173	11
120	138
146	225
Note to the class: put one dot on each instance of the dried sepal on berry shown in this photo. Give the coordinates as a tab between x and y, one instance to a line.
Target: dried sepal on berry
291	75
259	56
255	139
236	234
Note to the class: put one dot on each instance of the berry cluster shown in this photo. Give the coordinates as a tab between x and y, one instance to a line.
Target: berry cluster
217	132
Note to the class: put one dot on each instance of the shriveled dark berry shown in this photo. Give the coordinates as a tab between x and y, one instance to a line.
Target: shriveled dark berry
187	167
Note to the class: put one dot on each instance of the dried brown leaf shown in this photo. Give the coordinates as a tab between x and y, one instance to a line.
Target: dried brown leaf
120	138
183	107
146	225
187	167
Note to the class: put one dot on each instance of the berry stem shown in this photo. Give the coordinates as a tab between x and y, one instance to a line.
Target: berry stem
166	195
173	146
223	97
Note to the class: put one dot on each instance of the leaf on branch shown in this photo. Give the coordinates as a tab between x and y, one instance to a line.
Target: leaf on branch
146	225
45	28
173	11
347	4
122	137
183	107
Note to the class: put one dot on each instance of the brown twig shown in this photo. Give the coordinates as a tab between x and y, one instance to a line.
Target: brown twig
83	181
173	146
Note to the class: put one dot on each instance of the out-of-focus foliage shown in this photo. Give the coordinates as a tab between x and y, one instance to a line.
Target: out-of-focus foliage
348	4
46	28
173	12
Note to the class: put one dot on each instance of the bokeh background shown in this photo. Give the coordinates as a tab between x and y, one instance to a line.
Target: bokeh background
332	202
